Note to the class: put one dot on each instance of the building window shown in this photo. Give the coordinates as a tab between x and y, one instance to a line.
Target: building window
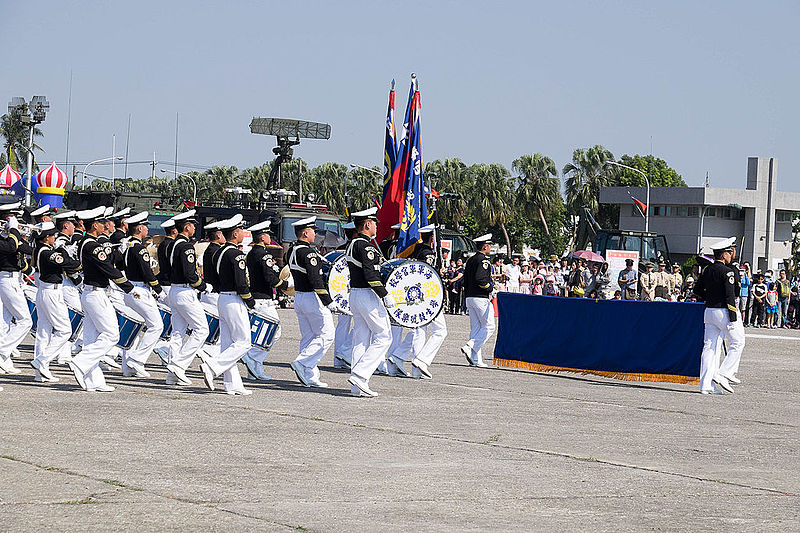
783	216
694	211
711	212
681	211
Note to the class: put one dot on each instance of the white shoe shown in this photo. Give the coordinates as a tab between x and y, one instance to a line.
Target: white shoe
395	367
255	370
78	375
340	362
8	366
468	354
109	362
382	370
723	383
422	368
42	369
712	391
362	386
15	353
102	388
208	375
318	384
171	379
300	372
138	369
481	364
1	388
239	392
180	375
733	379
162	354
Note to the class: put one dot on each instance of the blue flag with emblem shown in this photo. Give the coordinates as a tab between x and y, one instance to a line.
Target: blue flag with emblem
415	209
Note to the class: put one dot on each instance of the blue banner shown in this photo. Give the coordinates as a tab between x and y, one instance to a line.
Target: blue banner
623	339
415	208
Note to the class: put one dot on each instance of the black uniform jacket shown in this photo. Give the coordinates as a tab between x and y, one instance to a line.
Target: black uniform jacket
162	254
264	273
364	262
424	253
137	264
12	251
52	263
478	277
183	264
306	267
717	288
98	266
231	270
209	272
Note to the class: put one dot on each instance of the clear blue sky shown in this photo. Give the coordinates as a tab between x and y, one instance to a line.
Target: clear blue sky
710	83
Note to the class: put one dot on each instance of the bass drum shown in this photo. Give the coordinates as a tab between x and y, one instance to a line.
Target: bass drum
417	289
337	277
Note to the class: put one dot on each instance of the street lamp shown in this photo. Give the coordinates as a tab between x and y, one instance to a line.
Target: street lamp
354	165
181	174
703	216
647	200
83	178
32	113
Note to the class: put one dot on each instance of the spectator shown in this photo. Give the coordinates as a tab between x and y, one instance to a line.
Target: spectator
538	284
759	293
744	292
525	278
663	281
498	274
603	281
794	302
771	307
628	280
676	287
647	283
550	286
564	271
687	292
590	280
512	274
617	295
784	290
576	284
456	284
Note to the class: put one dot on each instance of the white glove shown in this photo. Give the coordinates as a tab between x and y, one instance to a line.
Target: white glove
388	301
290	282
139	292
13	223
334	307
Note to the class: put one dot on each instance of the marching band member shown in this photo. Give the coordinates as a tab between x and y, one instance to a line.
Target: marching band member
162	257
187	311
343	336
66	222
369	300
15	307
138	271
119	219
100	328
312	304
264	279
423	352
41	214
234	300
53	327
477	289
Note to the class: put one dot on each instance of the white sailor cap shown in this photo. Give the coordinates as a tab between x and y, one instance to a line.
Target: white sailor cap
724	244
427	229
139	218
230	223
108	211
14	206
304	223
98	213
396	226
44	229
40	210
487	237
211	226
349	225
371	213
186	216
66	215
261	227
169	223
120	214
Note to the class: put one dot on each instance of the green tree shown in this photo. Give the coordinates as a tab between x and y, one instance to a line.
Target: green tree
537	189
585	175
15	135
364	187
658	172
451	176
492	197
327	182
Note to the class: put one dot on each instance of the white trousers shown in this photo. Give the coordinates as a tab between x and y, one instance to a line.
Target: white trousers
15	308
343	338
718	327
100	334
413	341
266	308
481	325
372	333
316	330
53	328
187	313
234	333
148	309
438	333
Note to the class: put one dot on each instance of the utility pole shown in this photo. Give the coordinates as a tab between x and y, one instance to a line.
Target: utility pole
153	174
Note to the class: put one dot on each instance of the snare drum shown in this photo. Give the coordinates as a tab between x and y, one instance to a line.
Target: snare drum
262	330
166	318
130	326
418	290
30	295
76	321
213	323
75	316
337	278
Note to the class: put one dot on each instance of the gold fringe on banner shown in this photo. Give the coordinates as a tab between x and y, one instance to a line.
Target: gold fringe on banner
627	376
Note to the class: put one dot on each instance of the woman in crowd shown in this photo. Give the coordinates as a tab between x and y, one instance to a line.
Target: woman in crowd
525	278
603	282
577	284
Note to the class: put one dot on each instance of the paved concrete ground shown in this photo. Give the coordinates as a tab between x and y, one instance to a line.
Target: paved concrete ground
493	449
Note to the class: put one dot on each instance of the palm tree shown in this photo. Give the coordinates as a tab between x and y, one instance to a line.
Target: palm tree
15	134
327	183
364	187
492	196
585	176
451	176
537	187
